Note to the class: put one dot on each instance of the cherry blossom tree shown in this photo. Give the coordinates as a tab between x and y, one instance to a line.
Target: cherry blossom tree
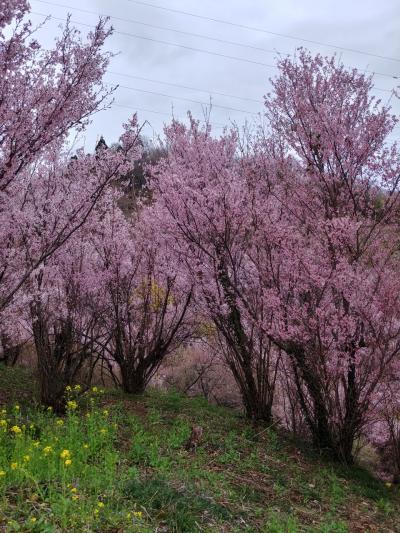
331	278
145	307
292	244
204	193
44	96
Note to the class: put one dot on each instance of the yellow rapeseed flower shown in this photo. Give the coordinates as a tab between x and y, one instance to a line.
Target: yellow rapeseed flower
65	454
36	443
72	405
50	408
16	430
33	519
68	388
137	514
60	422
74	489
103	430
75	497
100	504
94	389
68	462
14	466
27	458
77	387
17	407
2	473
105	412
47	450
3	423
86	446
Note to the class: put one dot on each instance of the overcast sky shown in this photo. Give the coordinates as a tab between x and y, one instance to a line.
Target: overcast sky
183	78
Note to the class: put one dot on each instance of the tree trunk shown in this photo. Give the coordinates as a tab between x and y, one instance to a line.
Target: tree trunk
132	381
51	382
11	353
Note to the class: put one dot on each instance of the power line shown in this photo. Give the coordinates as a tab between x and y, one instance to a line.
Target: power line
192	88
261	30
201	50
166	28
188	100
213	124
177	85
167	95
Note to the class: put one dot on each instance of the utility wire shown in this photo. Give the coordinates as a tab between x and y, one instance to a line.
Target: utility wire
192	48
167	95
166	28
261	30
213	124
201	50
189	100
160	82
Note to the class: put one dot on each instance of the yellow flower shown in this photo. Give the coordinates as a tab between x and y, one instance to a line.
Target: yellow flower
60	422
388	485
94	389
105	412
68	388
77	387
65	454
3	412
75	497
103	430
16	430
86	446
17	407
96	511
137	514
72	405
50	408
100	504
47	450
2	473
36	443
128	515
74	489
33	519
27	458
68	462
14	466
3	423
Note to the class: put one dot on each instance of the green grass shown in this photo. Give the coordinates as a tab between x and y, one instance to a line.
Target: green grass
119	464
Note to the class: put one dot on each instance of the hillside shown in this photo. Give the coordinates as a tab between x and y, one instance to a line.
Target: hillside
119	464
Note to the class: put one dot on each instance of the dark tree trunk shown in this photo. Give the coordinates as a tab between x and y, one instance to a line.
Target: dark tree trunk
337	442
257	404
51	381
132	380
11	352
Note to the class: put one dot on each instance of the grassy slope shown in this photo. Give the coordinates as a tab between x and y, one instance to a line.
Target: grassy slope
241	478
